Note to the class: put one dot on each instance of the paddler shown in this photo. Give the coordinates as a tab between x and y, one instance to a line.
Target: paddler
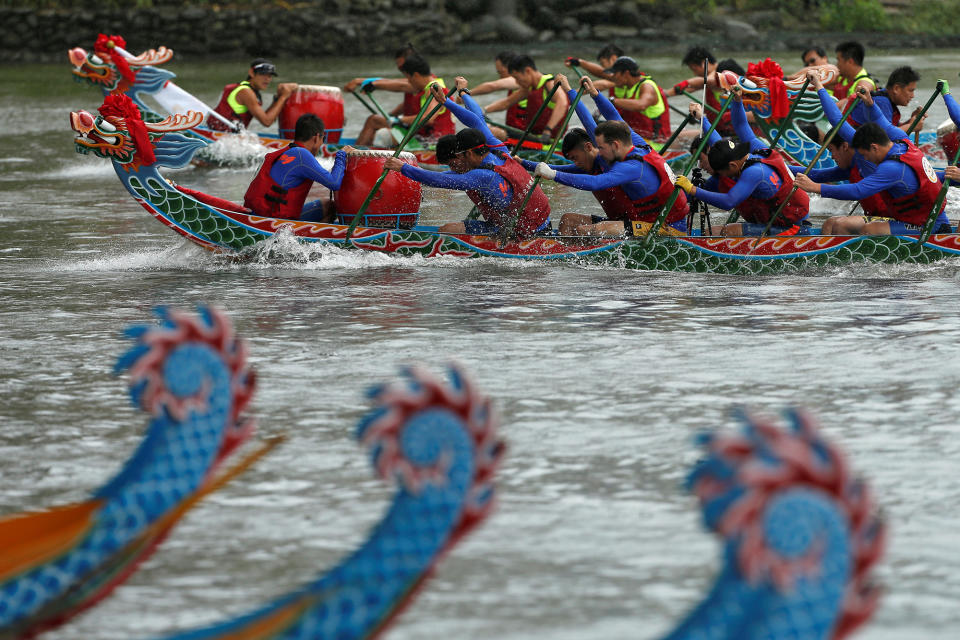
631	181
493	180
694	60
639	100
517	112
900	90
852	74
904	180
281	185
534	88
605	59
241	102
417	73
814	56
755	180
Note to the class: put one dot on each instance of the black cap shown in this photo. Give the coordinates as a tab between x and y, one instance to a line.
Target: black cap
446	148
469	139
624	63
263	66
726	151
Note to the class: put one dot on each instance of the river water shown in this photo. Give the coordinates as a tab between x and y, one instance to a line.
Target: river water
601	376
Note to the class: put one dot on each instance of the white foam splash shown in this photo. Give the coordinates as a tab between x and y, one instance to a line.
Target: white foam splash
184	255
88	167
241	149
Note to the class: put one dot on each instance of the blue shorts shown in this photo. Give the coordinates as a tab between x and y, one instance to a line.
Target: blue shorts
751	229
312	211
482	227
942	225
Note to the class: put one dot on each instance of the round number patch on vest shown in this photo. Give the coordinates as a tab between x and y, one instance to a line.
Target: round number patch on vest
928	169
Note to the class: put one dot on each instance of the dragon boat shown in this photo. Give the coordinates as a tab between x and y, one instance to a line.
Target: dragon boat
114	71
221	225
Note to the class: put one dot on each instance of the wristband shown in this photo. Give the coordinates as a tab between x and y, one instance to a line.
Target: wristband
680	86
367	82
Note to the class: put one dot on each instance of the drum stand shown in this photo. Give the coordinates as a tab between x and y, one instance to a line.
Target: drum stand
706	228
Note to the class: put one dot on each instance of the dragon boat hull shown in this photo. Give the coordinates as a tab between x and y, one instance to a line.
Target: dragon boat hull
219	225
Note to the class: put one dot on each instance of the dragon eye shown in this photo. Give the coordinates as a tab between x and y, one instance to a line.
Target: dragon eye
95	59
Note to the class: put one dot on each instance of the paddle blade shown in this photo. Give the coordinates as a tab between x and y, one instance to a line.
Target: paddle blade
31	539
175	100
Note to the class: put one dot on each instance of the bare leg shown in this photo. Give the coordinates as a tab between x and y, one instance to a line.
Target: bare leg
498	133
876	229
610	228
453	227
735	229
374	122
570	221
844	226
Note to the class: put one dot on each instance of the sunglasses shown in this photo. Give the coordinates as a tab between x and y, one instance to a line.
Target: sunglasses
810	62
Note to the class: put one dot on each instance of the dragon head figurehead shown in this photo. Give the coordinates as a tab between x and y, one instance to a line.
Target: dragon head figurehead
795	520
119	134
763	77
109	66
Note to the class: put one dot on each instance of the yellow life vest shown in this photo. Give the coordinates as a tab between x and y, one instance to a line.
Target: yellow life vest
631	93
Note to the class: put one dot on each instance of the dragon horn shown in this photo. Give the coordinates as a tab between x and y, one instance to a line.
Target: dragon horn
152	56
176	122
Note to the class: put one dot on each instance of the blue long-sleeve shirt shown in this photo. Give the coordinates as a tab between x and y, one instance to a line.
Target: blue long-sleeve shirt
636	177
891	175
493	187
846	131
862	114
738	117
953	108
296	164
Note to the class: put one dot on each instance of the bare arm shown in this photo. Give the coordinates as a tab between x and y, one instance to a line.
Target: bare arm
248	98
501	84
505	103
594	68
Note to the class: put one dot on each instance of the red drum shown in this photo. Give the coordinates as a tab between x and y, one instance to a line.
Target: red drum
948	138
325	102
397	202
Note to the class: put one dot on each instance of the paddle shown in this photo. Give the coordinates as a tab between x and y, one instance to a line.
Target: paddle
830	134
536	116
384	114
655	228
698	101
676	132
364	102
506	231
913	125
406	138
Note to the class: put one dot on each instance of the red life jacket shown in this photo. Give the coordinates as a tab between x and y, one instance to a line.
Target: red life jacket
758	211
224	109
618	205
534	214
650	128
872	205
915	207
535	99
516	114
442	124
266	198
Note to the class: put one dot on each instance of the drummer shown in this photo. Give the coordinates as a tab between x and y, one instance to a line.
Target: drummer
493	180
420	78
286	175
241	102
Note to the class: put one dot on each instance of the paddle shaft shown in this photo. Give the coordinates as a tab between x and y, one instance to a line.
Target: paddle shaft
536	116
830	134
698	101
655	228
676	132
506	231
406	138
364	102
387	117
786	121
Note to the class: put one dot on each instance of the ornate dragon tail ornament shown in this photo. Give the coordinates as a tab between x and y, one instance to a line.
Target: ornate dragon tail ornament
800	535
190	375
120	134
438	440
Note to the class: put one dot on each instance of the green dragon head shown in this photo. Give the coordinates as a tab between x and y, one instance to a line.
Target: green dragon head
109	136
